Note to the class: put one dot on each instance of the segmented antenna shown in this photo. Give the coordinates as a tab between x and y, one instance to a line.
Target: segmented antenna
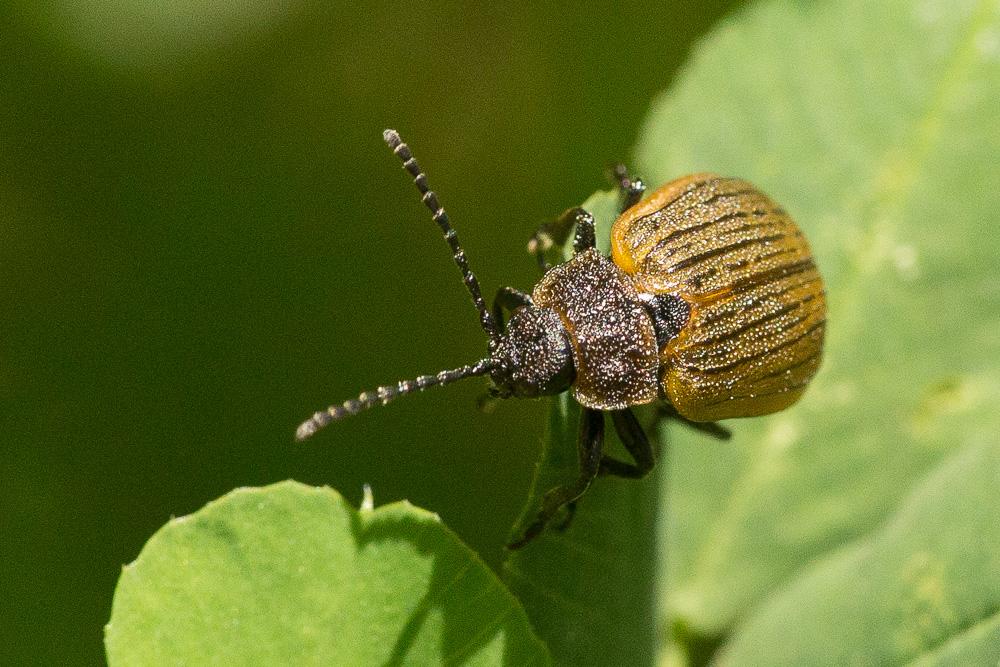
384	394
441	218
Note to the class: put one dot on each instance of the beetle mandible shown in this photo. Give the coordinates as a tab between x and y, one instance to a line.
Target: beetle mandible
710	305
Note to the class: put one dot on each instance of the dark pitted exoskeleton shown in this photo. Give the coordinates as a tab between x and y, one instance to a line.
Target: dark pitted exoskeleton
710	307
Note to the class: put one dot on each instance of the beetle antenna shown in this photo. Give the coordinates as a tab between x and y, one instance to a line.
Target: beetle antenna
441	218
386	393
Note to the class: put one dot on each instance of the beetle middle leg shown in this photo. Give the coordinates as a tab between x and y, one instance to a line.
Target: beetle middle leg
632	188
637	443
632	435
589	446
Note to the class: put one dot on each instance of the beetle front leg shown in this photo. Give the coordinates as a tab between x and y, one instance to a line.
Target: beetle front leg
555	233
589	447
508	299
547	236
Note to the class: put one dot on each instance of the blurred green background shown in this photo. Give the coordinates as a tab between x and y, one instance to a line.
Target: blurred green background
204	240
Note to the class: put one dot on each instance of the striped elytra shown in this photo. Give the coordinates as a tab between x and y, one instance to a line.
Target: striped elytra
710	307
754	337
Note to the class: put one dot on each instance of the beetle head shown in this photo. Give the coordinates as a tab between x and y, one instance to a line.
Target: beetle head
533	357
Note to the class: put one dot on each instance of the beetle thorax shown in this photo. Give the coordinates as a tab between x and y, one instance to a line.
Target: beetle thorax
612	335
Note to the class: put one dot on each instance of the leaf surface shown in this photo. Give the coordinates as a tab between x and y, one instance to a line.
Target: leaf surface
876	126
924	588
292	575
590	590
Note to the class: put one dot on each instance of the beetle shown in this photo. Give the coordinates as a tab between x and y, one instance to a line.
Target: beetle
710	306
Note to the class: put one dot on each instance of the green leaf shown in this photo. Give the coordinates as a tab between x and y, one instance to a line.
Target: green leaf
876	126
590	590
292	575
926	586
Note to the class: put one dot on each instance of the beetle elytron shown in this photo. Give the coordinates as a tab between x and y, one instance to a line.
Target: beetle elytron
710	304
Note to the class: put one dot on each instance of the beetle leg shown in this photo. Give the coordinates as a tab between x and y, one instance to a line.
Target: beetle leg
714	429
568	519
632	188
547	236
585	237
508	299
555	233
634	438
589	447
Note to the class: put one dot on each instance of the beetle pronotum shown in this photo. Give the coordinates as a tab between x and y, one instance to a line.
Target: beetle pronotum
710	305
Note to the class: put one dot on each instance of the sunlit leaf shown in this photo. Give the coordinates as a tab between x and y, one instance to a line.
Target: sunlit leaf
292	575
875	125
